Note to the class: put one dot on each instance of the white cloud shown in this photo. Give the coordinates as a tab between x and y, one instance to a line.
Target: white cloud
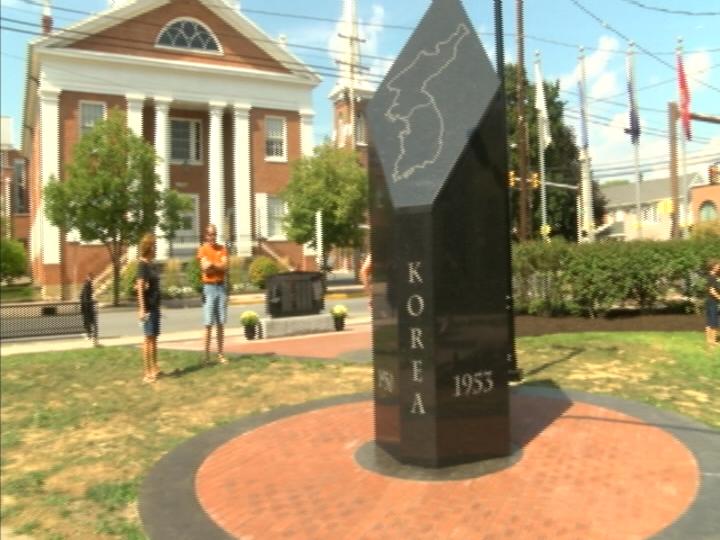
697	68
595	63
604	86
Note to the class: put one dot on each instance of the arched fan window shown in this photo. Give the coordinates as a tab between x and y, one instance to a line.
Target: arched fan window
188	34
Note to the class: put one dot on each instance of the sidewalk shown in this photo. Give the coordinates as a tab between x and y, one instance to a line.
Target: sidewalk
232	335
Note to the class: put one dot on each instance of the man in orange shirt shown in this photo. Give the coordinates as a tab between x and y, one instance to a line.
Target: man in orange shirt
213	264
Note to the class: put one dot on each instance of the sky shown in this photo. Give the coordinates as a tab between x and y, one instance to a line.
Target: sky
554	28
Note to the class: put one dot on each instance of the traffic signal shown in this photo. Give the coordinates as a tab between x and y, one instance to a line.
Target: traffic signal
535	180
512	179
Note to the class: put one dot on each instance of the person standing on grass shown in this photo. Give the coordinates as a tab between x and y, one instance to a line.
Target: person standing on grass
712	303
87	309
213	264
147	285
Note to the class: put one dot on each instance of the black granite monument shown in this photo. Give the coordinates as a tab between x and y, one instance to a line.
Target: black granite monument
442	341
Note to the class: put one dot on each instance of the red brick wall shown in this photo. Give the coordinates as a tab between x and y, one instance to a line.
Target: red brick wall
138	36
269	176
700	194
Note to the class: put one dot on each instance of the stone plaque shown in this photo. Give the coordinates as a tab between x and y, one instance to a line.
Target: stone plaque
441	252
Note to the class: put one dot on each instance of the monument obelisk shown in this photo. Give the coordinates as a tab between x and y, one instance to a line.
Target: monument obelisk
440	246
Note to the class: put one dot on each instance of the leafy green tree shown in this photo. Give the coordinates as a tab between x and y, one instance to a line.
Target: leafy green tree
562	163
13	263
111	192
332	180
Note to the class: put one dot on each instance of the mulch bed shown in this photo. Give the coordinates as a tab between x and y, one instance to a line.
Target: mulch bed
528	325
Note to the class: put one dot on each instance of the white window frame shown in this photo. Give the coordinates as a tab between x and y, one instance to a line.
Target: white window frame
701	208
283	157
262	217
195	134
219	52
281	235
360	134
81	125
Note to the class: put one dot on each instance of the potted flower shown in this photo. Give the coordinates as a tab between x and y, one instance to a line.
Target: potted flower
250	320
339	312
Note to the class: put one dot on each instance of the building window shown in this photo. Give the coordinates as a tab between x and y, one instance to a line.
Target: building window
360	129
276	214
649	213
185	141
708	211
19	189
275	138
90	113
188	34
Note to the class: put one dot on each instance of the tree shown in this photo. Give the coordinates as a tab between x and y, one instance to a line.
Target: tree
562	164
12	260
111	193
332	180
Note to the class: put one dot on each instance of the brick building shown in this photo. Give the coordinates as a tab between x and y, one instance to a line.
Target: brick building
226	107
14	206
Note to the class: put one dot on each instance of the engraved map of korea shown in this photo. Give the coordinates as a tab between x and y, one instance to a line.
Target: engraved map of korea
414	106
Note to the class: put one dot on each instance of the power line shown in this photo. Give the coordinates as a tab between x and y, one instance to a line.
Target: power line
607	25
253	61
673	11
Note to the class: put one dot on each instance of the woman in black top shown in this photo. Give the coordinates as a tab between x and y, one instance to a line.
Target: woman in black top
712	303
147	285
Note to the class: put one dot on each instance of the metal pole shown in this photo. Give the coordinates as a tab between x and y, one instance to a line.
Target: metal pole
522	126
683	159
541	155
635	140
672	120
588	221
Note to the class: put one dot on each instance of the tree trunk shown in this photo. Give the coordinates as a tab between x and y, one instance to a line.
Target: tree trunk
114	249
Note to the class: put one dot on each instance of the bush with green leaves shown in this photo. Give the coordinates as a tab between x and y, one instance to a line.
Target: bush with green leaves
13	262
127	280
193	274
262	268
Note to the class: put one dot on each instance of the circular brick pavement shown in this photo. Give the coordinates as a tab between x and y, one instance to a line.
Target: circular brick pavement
587	471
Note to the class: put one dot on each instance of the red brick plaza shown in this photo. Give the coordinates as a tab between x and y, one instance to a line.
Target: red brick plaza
586	467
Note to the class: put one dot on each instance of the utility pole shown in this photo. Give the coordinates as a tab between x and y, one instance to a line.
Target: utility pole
635	137
352	63
522	130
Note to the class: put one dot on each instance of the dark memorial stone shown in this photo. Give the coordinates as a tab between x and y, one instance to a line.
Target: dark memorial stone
442	338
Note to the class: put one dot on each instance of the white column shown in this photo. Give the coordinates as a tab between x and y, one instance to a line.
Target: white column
241	180
135	112
216	186
49	244
306	132
135	123
162	167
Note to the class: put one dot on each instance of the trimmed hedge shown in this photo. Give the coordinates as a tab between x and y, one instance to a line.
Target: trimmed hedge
590	279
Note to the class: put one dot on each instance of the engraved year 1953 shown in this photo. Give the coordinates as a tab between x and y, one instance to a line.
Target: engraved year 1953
472	384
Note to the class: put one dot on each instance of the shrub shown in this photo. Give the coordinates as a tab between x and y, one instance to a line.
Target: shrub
706	230
13	262
262	268
194	275
127	280
238	273
172	274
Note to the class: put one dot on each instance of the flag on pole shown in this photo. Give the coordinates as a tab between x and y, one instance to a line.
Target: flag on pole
541	107
634	129
684	98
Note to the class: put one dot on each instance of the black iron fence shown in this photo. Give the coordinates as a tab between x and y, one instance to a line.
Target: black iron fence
41	319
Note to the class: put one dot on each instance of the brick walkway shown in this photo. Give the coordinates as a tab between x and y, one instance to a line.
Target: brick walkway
593	473
591	467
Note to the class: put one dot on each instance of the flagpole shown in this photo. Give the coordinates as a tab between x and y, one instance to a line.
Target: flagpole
634	136
683	155
541	152
586	186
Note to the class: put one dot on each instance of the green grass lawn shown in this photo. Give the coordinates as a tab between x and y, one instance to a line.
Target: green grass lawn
79	431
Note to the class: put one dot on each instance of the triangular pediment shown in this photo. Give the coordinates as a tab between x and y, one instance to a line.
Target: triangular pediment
132	29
